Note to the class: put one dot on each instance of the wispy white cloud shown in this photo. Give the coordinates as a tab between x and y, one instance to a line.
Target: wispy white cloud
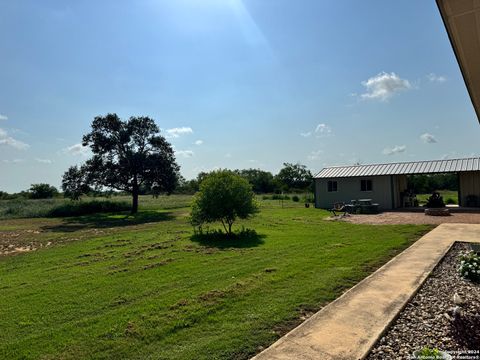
13	161
394	150
7	140
436	78
450	155
383	86
3	117
44	161
323	130
228	155
178	131
185	153
77	150
428	138
315	155
199	142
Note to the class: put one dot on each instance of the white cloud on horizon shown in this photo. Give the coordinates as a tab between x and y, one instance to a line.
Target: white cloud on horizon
7	140
177	132
3	117
428	138
394	150
44	161
185	153
315	155
306	134
436	78
383	86
14	161
199	142
77	150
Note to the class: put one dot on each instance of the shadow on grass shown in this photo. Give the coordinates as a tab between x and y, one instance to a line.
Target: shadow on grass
99	221
244	239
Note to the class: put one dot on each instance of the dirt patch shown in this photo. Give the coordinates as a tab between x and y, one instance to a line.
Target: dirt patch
394	217
154	265
181	303
212	296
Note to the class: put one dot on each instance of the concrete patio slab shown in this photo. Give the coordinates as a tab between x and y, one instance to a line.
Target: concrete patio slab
348	327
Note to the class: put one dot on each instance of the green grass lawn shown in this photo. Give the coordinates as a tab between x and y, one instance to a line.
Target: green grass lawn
449	197
122	287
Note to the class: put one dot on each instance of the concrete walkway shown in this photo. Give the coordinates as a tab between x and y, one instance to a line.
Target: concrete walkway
348	327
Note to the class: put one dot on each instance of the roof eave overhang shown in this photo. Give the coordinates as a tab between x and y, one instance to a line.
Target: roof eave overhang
462	21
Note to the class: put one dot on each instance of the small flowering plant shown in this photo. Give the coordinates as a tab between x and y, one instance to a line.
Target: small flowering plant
470	265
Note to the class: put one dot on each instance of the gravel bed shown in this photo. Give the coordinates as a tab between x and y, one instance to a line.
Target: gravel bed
401	217
429	319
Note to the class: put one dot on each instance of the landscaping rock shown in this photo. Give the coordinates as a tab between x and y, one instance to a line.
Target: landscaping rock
432	318
437	212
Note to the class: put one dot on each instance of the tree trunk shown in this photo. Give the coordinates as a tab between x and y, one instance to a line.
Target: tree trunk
135	201
135	196
229	228
223	223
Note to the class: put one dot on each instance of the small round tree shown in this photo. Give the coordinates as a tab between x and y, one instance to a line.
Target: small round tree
223	197
42	191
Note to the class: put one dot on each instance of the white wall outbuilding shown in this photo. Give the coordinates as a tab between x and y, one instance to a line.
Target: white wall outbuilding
387	182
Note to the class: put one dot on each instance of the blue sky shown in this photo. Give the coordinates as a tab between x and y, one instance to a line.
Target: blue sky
233	83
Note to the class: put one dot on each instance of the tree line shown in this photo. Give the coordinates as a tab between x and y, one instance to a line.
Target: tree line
426	184
291	178
131	156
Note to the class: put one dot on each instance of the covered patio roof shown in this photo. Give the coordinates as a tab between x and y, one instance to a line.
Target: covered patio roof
462	21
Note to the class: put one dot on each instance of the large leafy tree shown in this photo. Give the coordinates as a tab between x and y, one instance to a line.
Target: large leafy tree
295	177
127	156
262	181
224	196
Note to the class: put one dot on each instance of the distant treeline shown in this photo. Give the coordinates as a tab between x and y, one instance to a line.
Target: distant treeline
292	178
425	184
36	191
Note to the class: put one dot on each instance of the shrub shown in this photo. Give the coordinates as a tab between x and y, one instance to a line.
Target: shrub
295	198
470	265
450	201
280	197
223	197
42	191
265	197
428	353
86	208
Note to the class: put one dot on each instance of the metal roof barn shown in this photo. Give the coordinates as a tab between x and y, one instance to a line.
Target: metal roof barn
387	184
402	168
